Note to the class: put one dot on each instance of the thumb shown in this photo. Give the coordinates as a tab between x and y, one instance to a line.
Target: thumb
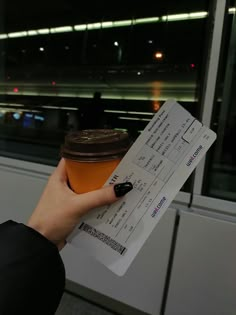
60	171
101	197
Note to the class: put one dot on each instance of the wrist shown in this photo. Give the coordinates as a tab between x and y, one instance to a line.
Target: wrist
37	228
41	230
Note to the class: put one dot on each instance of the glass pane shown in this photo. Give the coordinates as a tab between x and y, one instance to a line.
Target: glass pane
220	179
100	66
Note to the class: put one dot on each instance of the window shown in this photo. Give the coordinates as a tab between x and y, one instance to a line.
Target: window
220	181
68	68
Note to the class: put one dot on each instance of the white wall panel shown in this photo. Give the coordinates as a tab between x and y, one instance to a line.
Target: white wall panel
203	279
19	194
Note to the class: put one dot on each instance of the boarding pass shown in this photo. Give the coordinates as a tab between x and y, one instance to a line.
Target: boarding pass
157	164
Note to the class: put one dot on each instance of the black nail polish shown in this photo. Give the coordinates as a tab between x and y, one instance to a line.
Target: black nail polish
122	189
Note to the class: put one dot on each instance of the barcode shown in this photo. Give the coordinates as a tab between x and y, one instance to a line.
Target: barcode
103	237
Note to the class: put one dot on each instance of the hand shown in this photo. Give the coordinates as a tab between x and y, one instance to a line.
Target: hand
60	209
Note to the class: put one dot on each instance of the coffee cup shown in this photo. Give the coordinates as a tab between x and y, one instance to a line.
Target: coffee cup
92	155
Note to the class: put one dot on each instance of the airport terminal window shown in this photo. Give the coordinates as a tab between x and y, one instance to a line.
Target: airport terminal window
63	62
220	180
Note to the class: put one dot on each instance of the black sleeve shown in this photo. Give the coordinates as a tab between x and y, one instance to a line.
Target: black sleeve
32	274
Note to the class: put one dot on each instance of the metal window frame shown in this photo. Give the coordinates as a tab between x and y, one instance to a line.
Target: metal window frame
210	86
201	201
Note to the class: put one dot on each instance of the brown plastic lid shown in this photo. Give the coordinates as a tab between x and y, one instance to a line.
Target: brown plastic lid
95	144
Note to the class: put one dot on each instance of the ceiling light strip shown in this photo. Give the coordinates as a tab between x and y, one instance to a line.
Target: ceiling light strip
109	24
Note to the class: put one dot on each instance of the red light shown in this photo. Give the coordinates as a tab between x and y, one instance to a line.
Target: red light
16	90
192	65
53	82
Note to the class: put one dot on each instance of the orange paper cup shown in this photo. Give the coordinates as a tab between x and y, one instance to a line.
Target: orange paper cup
92	155
87	176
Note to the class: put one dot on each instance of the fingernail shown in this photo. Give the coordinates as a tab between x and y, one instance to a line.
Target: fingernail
122	189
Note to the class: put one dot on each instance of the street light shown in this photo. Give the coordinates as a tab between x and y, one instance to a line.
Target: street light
159	55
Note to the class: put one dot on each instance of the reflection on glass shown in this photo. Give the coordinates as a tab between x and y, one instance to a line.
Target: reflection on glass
113	70
220	180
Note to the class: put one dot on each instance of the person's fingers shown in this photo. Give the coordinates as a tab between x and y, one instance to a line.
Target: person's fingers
60	171
103	196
